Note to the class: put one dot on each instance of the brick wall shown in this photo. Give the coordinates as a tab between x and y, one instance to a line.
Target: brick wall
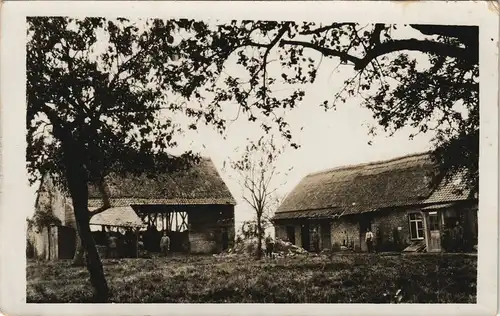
345	231
392	229
206	224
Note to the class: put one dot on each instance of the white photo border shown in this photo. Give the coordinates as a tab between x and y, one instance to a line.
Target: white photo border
14	187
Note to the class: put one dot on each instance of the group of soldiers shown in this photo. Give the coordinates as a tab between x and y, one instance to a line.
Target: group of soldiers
117	244
126	245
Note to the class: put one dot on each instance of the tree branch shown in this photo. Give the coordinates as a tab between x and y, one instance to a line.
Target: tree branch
323	50
425	46
105	199
375	37
463	33
325	28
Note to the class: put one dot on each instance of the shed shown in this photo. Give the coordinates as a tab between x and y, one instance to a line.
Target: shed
194	206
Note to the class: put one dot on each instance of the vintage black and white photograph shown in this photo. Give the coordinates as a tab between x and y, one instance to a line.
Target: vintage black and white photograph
234	160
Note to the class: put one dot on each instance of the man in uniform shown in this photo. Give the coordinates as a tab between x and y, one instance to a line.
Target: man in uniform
165	244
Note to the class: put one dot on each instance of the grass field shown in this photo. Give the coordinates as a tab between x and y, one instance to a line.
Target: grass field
342	278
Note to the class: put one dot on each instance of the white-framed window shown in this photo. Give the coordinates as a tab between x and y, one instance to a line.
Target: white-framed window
416	226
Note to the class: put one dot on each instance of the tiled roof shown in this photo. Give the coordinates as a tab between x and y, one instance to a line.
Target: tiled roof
452	190
178	201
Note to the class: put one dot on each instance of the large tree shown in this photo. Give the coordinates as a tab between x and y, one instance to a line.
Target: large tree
98	102
424	76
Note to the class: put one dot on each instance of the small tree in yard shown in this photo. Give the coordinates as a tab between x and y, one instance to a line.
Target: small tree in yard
257	172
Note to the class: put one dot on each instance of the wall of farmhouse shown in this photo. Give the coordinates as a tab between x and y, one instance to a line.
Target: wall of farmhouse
345	232
392	229
280	231
211	228
43	242
282	228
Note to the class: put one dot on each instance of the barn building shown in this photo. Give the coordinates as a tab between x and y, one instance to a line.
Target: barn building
393	198
194	207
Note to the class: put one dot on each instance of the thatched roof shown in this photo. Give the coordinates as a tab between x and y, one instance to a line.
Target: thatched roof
201	184
365	188
119	217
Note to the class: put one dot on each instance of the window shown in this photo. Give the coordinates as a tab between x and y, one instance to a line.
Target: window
416	226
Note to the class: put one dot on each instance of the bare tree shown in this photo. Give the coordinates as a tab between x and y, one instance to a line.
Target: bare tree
257	172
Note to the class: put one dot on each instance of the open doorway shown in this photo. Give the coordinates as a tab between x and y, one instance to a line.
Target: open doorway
365	223
326	240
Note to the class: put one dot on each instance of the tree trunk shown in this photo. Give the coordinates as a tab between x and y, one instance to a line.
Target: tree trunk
259	237
76	177
78	259
94	265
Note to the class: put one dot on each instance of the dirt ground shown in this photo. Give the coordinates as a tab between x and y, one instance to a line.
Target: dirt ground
340	278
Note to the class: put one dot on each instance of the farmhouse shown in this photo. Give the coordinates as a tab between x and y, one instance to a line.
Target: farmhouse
194	207
393	198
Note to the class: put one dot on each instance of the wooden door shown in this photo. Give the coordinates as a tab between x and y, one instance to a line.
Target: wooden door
434	232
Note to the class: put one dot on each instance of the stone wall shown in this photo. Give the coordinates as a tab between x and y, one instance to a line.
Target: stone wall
345	232
392	229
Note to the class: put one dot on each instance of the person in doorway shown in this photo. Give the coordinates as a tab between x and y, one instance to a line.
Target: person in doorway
141	249
113	245
315	240
165	244
369	240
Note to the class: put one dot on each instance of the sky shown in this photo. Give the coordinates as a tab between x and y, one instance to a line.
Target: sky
327	139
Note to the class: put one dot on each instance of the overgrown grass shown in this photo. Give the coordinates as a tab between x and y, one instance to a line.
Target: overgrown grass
343	278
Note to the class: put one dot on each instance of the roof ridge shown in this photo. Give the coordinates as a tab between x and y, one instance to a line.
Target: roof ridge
371	163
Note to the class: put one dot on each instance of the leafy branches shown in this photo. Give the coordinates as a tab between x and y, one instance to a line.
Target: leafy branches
425	76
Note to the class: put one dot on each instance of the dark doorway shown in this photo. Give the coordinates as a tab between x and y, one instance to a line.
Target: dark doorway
365	222
326	240
66	242
225	239
290	234
305	236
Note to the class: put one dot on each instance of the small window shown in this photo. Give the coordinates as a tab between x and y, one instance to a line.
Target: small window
416	226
